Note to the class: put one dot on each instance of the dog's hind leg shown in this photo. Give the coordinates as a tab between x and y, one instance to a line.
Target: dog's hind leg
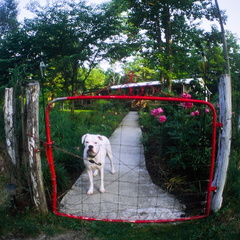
110	157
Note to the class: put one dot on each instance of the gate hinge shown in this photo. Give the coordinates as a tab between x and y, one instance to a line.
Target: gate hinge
219	124
213	189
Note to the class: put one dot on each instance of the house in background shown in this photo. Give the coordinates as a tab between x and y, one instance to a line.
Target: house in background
178	87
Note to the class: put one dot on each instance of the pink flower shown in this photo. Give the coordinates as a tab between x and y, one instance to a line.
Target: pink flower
207	110
187	105
196	112
186	95
156	112
162	118
192	114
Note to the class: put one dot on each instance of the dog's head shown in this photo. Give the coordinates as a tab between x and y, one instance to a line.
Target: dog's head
92	144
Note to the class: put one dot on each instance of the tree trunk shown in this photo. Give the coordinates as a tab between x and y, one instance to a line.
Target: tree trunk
35	169
224	144
168	37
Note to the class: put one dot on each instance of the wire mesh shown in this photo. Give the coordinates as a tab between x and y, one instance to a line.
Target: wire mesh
150	185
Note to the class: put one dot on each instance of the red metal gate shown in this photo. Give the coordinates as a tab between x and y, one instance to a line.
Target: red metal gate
138	96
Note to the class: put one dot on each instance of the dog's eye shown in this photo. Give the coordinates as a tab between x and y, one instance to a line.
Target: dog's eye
86	141
95	142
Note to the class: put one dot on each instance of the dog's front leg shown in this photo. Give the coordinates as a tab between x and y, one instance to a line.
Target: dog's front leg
90	175
95	173
101	175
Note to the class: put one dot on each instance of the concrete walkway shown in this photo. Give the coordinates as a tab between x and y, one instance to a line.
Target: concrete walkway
130	193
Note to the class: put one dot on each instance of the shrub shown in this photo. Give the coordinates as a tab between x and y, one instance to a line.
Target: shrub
178	150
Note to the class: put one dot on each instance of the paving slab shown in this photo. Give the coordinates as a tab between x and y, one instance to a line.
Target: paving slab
130	193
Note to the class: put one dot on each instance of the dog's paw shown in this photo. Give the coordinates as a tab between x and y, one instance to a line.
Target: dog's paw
113	172
102	190
90	192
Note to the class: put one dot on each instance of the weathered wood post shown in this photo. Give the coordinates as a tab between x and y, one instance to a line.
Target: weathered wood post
225	117
32	130
9	125
224	143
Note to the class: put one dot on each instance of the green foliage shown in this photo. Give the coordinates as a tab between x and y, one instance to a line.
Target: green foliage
8	17
183	141
178	151
72	38
95	80
189	140
179	54
67	36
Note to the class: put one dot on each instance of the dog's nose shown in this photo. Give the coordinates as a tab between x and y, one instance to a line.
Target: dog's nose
90	147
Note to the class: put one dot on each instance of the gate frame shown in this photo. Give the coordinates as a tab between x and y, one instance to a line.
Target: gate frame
48	145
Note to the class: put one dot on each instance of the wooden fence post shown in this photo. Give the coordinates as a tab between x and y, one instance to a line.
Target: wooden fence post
224	143
9	124
32	130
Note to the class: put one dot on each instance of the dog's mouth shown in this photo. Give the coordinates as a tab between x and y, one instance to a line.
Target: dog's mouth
91	153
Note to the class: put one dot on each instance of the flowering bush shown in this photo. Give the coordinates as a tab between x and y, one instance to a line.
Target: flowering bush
157	113
183	143
187	105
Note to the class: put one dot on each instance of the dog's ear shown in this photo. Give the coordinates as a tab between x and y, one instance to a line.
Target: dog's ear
83	137
100	137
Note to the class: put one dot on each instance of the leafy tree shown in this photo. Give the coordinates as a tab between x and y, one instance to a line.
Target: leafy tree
8	27
141	69
234	57
96	79
171	34
15	51
71	36
8	17
113	78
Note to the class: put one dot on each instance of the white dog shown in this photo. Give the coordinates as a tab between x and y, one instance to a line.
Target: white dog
96	149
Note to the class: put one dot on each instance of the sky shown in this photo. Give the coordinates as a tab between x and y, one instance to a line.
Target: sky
232	11
231	7
25	14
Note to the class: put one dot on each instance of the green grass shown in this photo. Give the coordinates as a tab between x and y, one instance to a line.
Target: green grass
219	226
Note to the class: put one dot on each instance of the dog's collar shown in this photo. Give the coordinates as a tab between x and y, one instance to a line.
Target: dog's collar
91	160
